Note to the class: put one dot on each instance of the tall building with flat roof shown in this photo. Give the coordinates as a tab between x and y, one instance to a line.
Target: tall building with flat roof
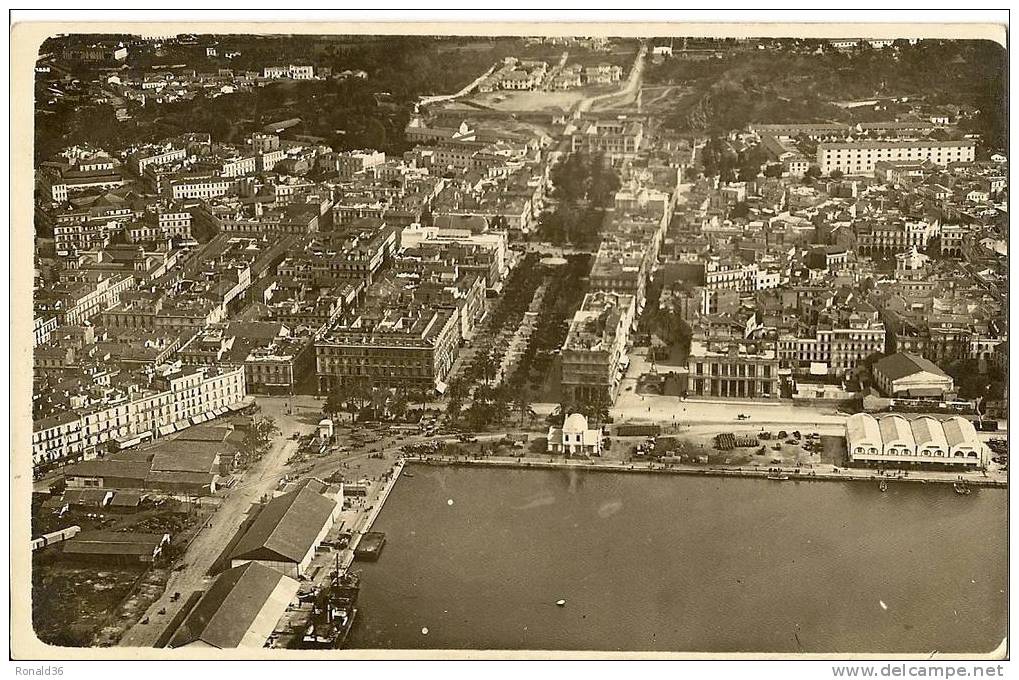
403	348
594	352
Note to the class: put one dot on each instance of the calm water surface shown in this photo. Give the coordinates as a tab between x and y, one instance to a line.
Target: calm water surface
677	563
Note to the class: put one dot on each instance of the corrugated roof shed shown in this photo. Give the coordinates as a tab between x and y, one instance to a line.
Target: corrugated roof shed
239	610
114	543
183	461
286	528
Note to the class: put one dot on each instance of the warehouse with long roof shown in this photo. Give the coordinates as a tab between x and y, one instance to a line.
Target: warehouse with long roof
896	440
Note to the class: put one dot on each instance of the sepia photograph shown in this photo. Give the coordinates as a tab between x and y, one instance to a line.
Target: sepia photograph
540	340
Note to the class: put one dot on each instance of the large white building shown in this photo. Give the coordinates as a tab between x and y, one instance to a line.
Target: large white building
910	375
240	609
205	187
895	441
859	158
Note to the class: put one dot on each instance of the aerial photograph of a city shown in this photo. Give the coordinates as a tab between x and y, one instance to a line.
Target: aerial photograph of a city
565	342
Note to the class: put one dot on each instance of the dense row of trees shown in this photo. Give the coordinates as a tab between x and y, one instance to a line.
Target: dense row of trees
584	185
564	293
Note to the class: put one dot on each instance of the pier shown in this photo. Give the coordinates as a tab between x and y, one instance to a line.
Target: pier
347	556
843	475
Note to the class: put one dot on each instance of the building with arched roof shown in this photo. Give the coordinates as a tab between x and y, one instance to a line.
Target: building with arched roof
863	436
963	442
896	436
893	440
929	436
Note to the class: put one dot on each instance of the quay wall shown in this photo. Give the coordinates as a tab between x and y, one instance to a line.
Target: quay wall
849	474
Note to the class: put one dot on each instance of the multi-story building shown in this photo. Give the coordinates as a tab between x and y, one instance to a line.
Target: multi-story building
833	347
893	235
43	327
611	137
291	71
82	300
594	352
736	276
141	160
349	163
732	368
732	355
280	365
403	348
859	158
165	406
204	187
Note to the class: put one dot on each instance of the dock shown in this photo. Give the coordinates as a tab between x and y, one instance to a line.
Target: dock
844	475
348	555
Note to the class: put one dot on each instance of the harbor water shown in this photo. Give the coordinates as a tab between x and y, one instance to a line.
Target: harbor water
477	558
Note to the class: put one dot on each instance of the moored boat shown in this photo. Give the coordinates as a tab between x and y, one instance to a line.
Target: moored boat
962	489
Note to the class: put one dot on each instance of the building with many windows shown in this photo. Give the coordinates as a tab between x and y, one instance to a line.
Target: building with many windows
167	405
732	368
413	348
859	158
594	352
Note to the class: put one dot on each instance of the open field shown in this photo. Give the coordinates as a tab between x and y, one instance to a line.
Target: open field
537	100
71	603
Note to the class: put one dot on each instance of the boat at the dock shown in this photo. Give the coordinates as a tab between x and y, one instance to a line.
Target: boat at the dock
778	477
408	474
962	489
328	615
883	486
370	546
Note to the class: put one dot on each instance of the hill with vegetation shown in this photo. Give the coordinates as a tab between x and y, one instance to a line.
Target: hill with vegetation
801	82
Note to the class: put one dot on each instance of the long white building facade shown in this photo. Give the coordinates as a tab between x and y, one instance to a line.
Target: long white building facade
859	158
896	441
78	434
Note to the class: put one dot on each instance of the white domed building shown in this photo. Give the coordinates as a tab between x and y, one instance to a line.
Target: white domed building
574	437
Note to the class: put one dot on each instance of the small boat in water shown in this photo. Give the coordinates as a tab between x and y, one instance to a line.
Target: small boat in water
962	489
560	603
883	486
408	474
778	477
